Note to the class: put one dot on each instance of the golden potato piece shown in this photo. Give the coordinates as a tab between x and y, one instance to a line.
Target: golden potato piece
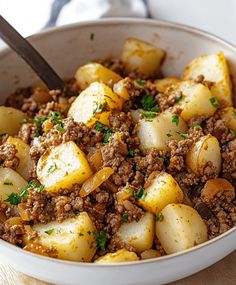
155	132
121	255
180	228
229	117
196	100
120	89
10	120
95	72
73	239
161	191
205	150
214	68
62	166
138	234
10	182
141	57
26	164
94	104
162	84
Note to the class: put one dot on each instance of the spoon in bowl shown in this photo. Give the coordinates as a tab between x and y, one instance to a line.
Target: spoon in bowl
31	56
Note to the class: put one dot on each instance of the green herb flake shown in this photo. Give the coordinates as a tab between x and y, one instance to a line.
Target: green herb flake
129	190
144	196
178	98
131	153
52	168
8	183
214	102
107	134
140	83
159	217
40	188
100	127
98	108
169	135
125	218
182	135
197	126
49	232
175	119
60	128
101	239
150	114
40	121
13	199
36	134
91	36
139	194
148	103
233	133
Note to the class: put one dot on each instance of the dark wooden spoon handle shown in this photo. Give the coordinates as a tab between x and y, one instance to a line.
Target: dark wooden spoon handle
24	49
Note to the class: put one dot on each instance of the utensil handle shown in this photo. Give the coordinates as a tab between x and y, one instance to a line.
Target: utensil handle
23	48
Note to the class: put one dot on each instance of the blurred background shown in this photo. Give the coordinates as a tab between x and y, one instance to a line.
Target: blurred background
29	17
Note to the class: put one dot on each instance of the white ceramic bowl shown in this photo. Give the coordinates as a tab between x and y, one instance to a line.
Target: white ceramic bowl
68	47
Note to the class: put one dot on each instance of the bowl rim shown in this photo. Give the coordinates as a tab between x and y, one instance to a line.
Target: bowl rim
119	21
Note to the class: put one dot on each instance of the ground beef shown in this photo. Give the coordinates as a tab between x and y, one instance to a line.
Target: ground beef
8	156
13	234
229	160
27	132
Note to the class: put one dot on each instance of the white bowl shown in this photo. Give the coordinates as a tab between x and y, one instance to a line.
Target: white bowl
68	47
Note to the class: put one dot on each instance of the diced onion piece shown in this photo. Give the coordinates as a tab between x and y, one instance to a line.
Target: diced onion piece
121	255
215	186
180	228
150	253
95	159
205	150
23	212
120	89
95	181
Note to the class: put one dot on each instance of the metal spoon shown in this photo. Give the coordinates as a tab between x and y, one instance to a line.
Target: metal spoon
30	55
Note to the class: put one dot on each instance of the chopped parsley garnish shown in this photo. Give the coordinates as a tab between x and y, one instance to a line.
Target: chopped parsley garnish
178	98
139	194
91	36
169	135
39	122
13	199
150	114
144	196
129	190
9	183
99	126
148	103
107	134
182	135
101	239
52	168
197	126
36	134
140	83
214	102
49	232
60	128
98	108
159	217
56	118
175	119
125	218
233	133
131	153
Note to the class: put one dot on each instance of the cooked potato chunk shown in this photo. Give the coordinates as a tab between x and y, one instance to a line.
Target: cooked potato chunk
229	117
62	166
95	72
161	191
10	182
206	150
180	228
150	253
138	234
214	68
94	103
141	57
121	255
196	99
154	133
10	120
73	239
23	153
120	89
162	84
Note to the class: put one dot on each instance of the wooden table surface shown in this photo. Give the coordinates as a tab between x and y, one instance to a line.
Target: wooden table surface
221	273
